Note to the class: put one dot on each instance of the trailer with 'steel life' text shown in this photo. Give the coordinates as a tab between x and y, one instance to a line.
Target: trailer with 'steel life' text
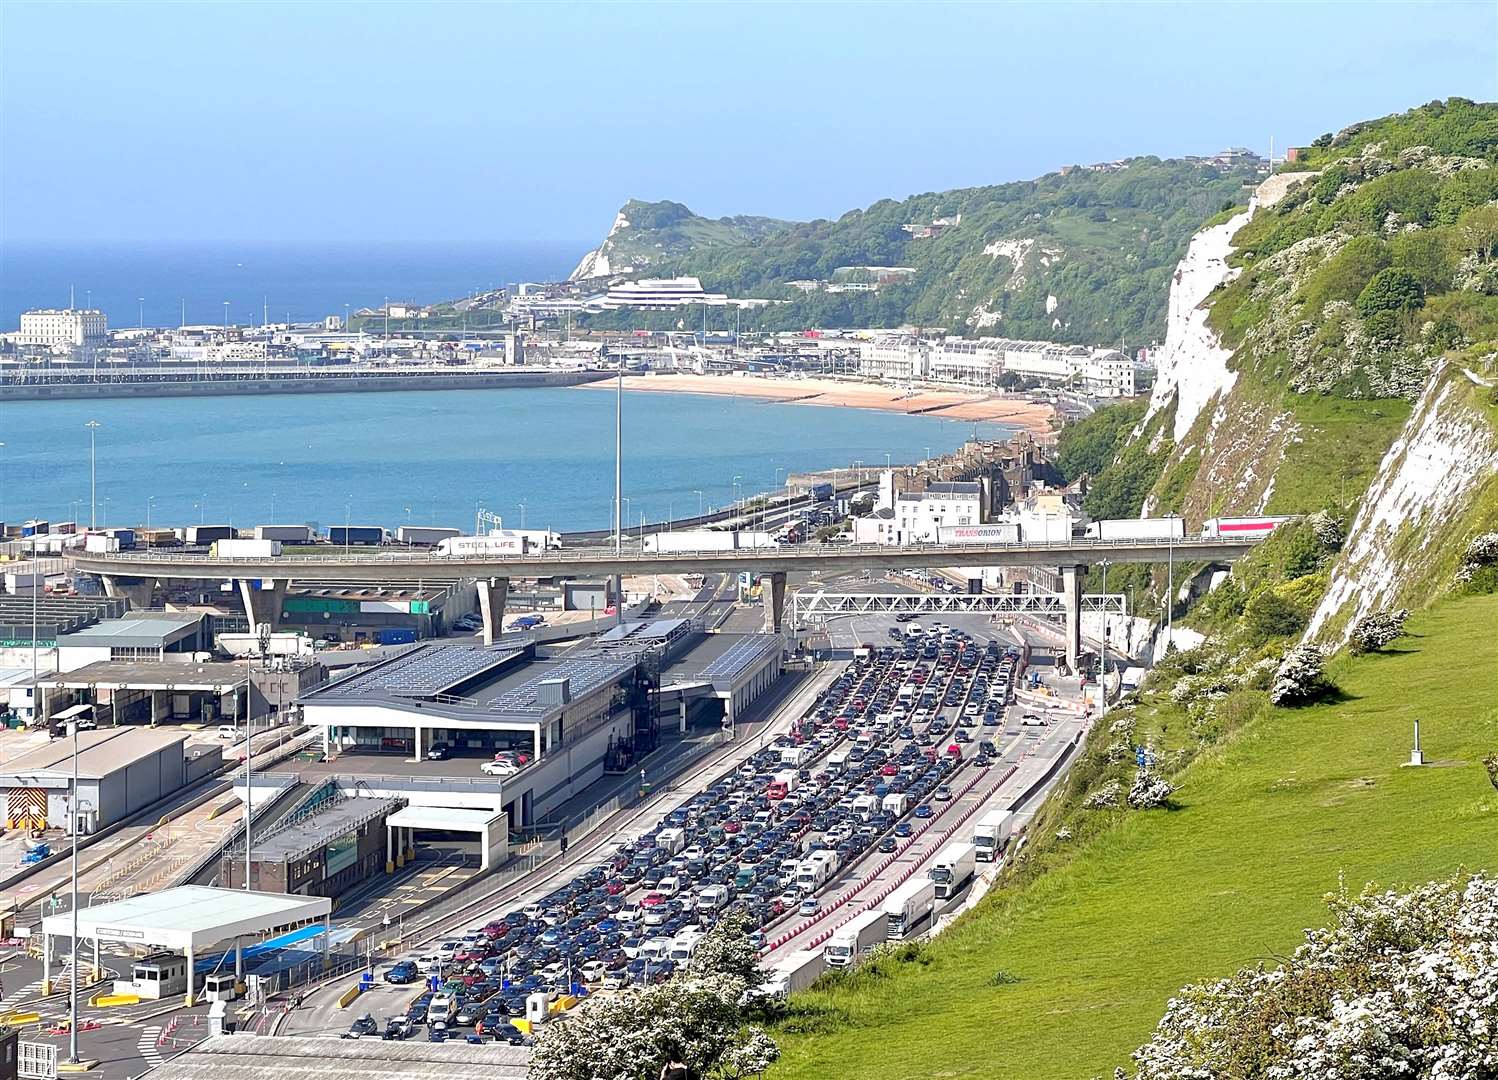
953	869
481	546
1237	528
991	833
856	936
1162	528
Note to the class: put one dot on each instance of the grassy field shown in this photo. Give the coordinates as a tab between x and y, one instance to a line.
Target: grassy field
1065	976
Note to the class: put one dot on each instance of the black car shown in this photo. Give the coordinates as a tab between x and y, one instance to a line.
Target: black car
365	1025
437	752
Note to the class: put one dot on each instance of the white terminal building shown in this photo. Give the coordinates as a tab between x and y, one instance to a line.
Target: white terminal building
981	361
63	328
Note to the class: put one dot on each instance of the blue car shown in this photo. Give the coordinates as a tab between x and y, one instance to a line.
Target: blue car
903	828
923	811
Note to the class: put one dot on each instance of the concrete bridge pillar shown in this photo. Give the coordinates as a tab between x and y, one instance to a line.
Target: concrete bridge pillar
772	593
1071	595
492	595
136	590
263	605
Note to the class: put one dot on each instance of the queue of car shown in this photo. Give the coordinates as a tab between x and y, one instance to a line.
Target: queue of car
876	749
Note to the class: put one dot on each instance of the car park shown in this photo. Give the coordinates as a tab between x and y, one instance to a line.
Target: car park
879	748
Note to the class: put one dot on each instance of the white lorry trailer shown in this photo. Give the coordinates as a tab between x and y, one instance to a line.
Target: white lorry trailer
856	936
991	833
953	869
908	906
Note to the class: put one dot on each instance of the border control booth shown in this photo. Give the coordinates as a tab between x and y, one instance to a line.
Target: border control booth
191	920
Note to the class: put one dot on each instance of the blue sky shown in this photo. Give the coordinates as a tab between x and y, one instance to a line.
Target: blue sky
297	122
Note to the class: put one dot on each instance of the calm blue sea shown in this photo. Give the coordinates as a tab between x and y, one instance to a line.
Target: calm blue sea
302	282
429	457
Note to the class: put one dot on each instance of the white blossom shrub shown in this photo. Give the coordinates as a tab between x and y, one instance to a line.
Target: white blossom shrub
1327	530
694	1019
1300	677
1106	797
1377	629
1481	553
1401	986
1149	791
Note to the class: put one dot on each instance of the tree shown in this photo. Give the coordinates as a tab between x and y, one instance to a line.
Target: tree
1300	678
1392	289
1090	445
1270	614
1400	985
728	951
1377	629
862	505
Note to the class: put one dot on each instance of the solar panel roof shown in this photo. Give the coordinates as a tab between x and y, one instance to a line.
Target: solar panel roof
585	675
423	672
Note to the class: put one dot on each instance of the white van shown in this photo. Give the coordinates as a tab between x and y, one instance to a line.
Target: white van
441	1010
684	946
669	887
657	948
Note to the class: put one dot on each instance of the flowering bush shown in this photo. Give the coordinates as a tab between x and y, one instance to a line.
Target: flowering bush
1149	791
1377	629
1105	797
1300	677
1401	985
693	1019
1327	530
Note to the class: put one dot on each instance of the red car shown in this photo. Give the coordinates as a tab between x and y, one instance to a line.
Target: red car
652	899
732	826
614	888
890	770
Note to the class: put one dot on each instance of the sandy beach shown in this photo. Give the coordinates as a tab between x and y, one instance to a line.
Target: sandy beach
852	394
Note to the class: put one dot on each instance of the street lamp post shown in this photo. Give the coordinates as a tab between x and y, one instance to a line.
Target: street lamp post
522	515
93	517
151	502
1103	674
73	963
698	493
1170	560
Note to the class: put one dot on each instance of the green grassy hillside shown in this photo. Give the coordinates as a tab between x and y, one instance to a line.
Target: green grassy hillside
1081	256
1063	975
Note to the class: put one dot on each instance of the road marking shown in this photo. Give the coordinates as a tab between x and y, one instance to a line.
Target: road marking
146	1046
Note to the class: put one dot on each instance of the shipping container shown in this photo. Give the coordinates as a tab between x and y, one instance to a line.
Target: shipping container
35	528
98	543
64	528
820	492
203	535
1238	528
1164	528
356	535
425	535
287	534
395	635
246	549
999	532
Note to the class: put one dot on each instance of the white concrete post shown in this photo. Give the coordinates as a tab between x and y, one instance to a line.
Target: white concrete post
192	980
1071	594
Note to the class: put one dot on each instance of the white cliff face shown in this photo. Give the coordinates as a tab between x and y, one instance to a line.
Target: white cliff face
596	263
1446	450
1192	368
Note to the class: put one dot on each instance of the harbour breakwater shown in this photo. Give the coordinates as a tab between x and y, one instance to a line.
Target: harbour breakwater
75	386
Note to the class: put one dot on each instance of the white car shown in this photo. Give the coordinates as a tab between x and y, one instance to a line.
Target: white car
1031	721
628	913
499	768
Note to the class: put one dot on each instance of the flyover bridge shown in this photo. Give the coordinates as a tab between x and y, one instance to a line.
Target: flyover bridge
263	581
